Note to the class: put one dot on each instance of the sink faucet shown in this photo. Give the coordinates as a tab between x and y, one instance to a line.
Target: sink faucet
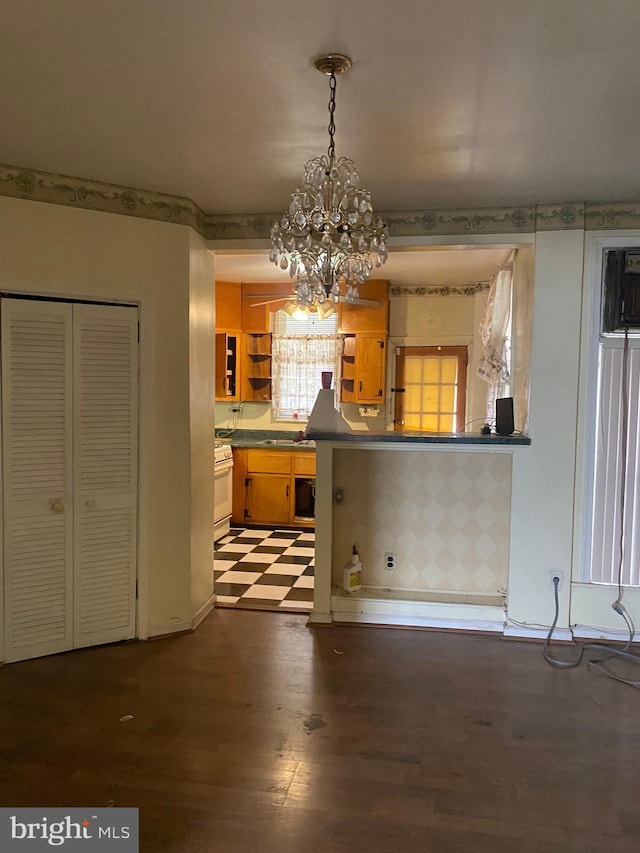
300	437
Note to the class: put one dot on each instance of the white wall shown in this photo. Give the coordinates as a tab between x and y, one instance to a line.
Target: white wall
60	251
202	327
544	473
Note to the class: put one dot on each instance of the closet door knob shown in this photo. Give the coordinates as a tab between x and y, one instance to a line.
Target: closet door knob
57	506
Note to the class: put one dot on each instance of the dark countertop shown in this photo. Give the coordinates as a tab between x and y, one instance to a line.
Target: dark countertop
421	438
258	437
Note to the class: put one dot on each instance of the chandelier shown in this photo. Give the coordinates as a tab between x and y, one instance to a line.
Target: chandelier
330	237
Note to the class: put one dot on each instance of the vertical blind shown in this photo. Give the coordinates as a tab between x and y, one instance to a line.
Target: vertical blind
615	546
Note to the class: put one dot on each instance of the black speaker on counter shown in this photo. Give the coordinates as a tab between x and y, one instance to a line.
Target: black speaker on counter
504	416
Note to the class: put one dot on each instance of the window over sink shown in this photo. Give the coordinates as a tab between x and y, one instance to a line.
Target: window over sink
302	348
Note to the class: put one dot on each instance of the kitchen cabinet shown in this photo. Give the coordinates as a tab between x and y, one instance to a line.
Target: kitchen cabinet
227	379
267	499
259	302
273	487
228	305
366	318
363	368
228	298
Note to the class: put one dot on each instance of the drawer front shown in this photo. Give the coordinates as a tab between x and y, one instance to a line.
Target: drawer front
304	463
268	462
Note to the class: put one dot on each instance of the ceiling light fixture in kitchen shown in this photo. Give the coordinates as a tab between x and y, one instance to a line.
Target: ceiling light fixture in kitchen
330	237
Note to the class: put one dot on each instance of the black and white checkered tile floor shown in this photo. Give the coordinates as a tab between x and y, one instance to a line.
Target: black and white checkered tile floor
265	569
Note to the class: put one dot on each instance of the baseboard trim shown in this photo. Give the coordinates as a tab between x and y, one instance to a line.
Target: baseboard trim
586	632
204	611
418	614
564	635
320	618
386	621
176	627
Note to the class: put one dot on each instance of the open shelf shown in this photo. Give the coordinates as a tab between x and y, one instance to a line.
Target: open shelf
257	367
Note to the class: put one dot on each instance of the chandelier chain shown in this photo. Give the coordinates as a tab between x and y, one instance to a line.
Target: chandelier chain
332	125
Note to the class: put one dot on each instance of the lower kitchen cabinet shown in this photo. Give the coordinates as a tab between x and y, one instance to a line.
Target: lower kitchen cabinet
267	499
273	487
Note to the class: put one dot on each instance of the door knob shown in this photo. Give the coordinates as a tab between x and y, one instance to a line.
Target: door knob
57	506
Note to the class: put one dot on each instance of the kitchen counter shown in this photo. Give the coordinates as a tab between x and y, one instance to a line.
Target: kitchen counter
457	438
265	439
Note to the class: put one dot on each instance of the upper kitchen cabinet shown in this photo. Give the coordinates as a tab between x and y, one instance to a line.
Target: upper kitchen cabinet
259	301
227	366
363	363
228	335
366	318
228	306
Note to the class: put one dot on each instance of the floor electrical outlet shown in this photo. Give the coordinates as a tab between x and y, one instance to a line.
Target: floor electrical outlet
555	573
390	562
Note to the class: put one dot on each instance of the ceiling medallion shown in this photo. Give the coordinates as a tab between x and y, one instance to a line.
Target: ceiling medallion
330	238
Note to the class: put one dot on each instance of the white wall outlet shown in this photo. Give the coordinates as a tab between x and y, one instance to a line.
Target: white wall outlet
556	573
390	562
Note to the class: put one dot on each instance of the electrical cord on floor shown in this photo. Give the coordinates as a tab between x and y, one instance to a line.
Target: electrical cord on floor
607	653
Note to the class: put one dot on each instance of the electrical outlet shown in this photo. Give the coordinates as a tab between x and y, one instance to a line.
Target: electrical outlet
556	573
390	562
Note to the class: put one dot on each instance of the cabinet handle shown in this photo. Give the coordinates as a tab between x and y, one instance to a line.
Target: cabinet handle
287	492
57	506
90	504
361	385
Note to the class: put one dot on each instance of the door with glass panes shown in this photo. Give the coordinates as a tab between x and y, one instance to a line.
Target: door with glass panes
430	388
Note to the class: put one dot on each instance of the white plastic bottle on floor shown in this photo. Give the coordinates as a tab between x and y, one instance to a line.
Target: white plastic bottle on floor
352	574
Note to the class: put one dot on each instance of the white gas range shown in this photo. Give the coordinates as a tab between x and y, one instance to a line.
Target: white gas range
222	489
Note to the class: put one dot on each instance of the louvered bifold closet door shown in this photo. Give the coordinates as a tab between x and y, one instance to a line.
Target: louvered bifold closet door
105	465
36	457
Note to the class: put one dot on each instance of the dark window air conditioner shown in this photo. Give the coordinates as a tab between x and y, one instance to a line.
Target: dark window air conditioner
621	291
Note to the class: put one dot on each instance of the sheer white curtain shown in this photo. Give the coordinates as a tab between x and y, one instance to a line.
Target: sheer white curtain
495	333
298	362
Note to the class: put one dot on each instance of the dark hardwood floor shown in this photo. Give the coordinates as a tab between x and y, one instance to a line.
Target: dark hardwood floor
257	733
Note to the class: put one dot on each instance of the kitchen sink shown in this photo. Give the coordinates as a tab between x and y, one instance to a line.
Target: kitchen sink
288	442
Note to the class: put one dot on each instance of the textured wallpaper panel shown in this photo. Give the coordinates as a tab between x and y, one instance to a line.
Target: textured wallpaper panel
445	514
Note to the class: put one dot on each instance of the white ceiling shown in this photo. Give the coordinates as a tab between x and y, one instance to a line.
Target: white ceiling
450	103
453	268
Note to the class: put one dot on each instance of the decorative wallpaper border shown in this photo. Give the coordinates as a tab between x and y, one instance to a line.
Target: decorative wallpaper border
96	195
612	215
47	187
559	217
495	220
438	290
